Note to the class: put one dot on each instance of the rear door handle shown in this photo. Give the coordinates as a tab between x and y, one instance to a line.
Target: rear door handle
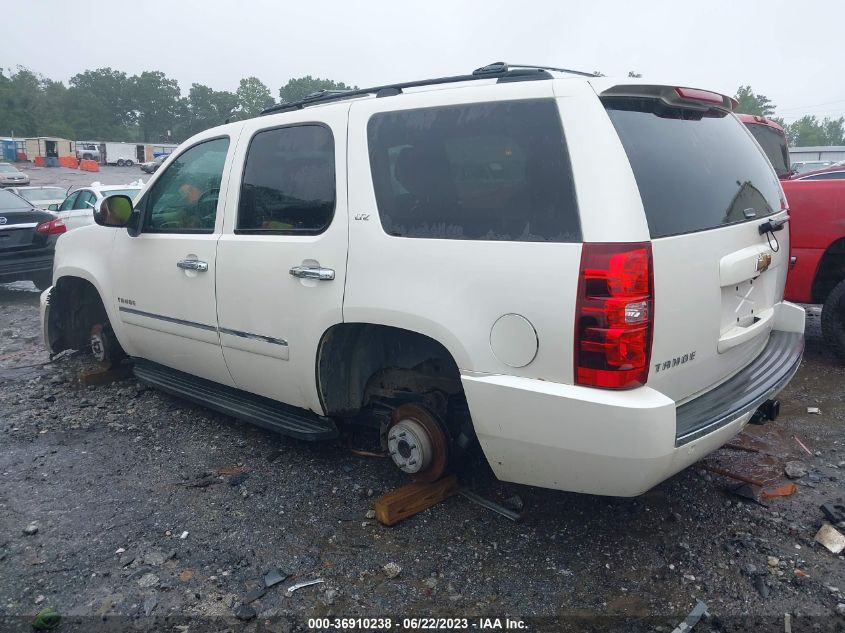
192	264
312	272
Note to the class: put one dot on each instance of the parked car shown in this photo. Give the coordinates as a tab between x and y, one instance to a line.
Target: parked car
834	172
42	197
421	266
150	167
87	151
816	202
27	240
803	166
10	176
78	208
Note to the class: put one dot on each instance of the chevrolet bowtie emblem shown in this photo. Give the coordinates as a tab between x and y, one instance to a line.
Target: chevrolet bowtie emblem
764	260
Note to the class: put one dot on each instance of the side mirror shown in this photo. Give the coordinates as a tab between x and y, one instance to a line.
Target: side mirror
53	207
114	211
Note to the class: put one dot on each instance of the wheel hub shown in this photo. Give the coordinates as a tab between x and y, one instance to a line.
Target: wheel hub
409	446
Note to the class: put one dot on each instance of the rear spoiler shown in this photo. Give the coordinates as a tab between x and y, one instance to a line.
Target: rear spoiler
693	98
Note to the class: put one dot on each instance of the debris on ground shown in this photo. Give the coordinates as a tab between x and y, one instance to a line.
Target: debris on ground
300	585
46	620
835	512
514	503
234	471
245	613
183	535
831	538
802	445
785	490
795	469
254	594
31	529
814	411
498	508
274	577
391	570
413	498
699	611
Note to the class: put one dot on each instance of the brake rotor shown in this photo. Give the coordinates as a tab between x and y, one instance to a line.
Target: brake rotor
417	443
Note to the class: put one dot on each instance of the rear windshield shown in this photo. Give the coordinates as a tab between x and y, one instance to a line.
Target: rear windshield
695	171
9	201
773	143
122	192
48	193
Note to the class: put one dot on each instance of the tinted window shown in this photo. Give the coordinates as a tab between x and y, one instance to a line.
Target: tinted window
774	145
184	198
695	171
289	181
831	175
492	171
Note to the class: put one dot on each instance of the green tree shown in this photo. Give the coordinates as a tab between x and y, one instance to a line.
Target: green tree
834	131
750	103
155	102
301	87
112	89
253	97
805	132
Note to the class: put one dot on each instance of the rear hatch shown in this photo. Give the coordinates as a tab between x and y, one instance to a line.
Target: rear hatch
706	189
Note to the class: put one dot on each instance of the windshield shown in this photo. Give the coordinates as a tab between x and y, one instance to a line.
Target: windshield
47	193
9	201
695	171
7	168
773	143
123	192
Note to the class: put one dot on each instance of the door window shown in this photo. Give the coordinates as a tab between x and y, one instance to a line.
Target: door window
184	198
67	205
85	200
289	181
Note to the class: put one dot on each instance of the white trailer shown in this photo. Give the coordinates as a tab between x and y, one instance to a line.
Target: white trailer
121	154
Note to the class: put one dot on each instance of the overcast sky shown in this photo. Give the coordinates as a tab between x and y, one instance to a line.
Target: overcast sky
791	51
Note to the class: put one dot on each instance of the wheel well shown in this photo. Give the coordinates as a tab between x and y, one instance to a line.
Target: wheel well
359	363
75	305
830	272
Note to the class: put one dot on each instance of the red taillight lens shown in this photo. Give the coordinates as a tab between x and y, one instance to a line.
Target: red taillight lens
53	227
614	315
695	94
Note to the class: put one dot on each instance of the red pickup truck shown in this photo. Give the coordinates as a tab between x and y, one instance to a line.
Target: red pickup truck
817	233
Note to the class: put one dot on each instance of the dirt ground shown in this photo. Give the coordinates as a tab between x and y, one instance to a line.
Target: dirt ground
126	509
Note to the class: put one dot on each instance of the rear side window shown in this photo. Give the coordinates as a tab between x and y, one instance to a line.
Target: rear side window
774	145
490	171
289	181
695	172
831	175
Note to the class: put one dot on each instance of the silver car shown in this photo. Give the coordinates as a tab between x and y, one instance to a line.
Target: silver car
11	177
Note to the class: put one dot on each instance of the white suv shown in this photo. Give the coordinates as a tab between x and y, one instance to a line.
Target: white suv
584	273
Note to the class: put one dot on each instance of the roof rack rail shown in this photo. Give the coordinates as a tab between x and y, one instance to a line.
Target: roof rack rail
502	71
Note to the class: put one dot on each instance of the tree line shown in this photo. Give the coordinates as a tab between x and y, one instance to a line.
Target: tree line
108	104
808	131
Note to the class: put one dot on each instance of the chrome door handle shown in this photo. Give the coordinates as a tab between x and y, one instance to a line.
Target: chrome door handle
308	272
192	264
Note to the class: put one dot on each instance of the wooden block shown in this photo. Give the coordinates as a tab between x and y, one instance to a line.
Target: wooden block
413	498
104	375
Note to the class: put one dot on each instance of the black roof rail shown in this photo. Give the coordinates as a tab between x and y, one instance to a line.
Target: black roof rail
498	70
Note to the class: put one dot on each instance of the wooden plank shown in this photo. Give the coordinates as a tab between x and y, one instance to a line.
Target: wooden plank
413	498
104	375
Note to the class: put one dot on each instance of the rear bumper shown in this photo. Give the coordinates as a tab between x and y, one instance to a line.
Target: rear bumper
23	267
620	443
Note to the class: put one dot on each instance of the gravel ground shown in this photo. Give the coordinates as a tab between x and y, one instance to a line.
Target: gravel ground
126	509
63	177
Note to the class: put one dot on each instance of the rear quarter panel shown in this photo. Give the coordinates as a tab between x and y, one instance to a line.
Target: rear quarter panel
817	219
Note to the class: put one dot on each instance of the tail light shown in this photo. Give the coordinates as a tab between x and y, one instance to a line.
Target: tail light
614	318
52	227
